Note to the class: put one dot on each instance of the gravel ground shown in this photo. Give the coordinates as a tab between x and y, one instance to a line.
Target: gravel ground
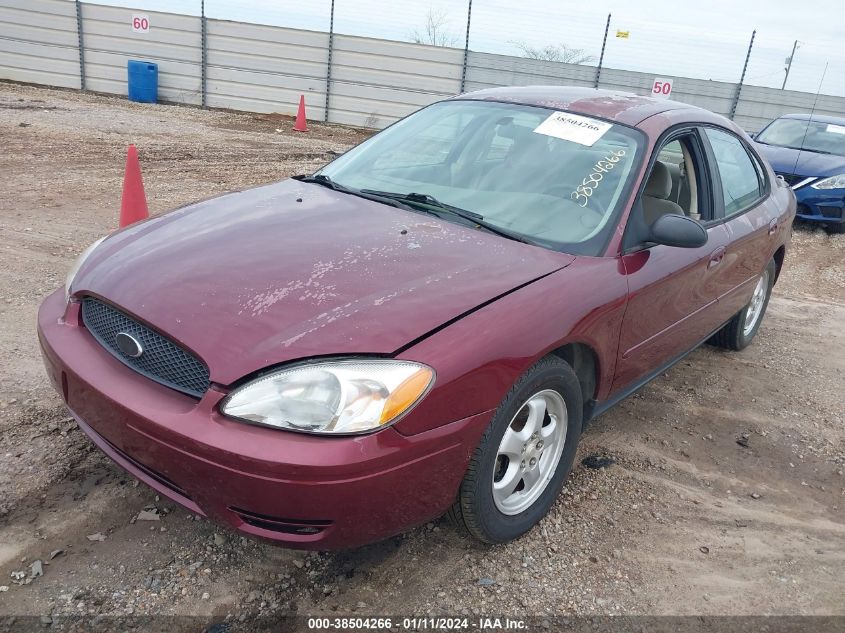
726	495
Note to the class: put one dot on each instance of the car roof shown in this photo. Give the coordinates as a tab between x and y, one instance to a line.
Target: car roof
622	107
821	118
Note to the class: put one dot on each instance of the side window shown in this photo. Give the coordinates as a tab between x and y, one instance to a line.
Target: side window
673	186
677	184
741	184
671	153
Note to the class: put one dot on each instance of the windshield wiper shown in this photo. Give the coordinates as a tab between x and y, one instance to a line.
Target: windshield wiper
322	179
430	202
326	181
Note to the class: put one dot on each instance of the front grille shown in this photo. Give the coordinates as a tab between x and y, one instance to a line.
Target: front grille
791	179
162	360
831	212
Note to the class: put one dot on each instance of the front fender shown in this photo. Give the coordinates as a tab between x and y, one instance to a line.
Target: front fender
480	357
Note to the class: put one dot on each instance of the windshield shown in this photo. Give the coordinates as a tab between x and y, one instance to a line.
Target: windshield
813	136
554	178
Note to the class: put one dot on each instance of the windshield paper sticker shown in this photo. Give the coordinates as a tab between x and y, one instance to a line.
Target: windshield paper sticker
585	190
836	129
572	127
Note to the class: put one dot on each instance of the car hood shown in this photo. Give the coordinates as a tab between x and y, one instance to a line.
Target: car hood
785	160
294	270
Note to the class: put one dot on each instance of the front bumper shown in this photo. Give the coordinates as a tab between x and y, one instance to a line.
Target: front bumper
298	490
820	205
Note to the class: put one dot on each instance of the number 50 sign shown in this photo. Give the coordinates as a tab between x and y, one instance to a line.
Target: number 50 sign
661	88
140	23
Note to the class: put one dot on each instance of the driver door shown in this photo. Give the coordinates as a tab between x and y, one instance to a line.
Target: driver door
672	291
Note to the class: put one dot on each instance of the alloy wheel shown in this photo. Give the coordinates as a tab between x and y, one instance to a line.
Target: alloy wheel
529	452
755	306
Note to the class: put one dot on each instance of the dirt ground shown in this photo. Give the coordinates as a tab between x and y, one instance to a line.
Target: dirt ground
726	496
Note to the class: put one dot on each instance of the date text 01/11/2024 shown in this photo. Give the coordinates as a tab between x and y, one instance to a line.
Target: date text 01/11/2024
416	624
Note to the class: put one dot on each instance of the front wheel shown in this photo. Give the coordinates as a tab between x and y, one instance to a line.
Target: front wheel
738	333
518	468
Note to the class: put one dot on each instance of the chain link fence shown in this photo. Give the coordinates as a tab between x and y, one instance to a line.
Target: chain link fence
553	31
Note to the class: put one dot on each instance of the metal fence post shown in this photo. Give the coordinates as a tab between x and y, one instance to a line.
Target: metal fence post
81	45
329	63
601	56
742	77
466	48
204	56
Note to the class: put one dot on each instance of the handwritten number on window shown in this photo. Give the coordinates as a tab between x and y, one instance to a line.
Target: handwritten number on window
584	191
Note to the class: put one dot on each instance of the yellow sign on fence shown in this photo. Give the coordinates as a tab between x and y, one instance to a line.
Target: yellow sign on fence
623	34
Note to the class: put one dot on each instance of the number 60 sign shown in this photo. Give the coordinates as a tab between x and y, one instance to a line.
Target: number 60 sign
661	88
140	23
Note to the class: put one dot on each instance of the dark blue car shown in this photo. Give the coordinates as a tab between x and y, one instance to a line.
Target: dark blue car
809	153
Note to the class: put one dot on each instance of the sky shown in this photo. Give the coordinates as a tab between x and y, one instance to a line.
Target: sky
701	39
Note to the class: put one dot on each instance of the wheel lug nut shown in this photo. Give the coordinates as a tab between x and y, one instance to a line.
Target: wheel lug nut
533	461
522	465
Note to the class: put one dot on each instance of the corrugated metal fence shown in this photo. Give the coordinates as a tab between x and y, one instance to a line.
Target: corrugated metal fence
265	68
39	42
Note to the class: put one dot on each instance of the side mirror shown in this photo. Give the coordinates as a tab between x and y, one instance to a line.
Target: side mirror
678	230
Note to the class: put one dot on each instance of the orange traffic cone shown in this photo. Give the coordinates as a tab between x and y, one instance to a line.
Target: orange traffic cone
301	125
133	205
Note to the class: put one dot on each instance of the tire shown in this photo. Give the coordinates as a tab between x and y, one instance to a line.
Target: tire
549	386
736	334
836	228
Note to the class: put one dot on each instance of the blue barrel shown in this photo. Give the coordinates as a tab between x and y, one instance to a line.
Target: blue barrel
143	81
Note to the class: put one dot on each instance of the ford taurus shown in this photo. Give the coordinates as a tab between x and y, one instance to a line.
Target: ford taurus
426	324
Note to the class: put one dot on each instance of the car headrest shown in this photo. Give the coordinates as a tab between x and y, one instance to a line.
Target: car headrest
659	184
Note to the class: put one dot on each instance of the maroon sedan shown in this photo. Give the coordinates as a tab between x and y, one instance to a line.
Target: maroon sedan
427	323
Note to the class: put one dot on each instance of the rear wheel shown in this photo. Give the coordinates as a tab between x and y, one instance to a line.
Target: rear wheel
738	333
524	456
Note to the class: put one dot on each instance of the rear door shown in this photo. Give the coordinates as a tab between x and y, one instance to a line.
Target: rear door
750	216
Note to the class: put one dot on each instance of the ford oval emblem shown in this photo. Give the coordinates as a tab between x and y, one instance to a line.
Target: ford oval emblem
128	344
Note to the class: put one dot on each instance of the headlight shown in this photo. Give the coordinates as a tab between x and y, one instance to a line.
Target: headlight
834	182
77	265
344	396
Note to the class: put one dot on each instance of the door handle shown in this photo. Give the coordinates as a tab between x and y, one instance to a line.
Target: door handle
716	257
773	227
